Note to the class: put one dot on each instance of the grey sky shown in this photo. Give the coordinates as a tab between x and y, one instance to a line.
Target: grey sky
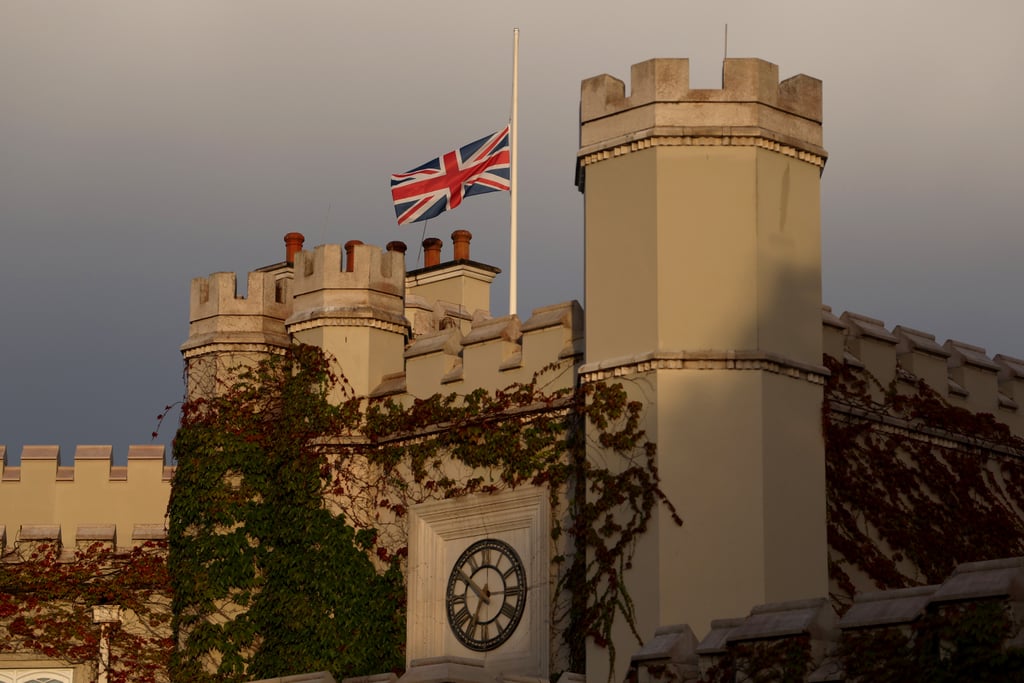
146	143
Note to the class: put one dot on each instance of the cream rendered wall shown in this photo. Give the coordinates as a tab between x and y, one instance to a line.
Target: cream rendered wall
738	229
620	283
707	249
363	354
711	470
738	250
789	257
796	555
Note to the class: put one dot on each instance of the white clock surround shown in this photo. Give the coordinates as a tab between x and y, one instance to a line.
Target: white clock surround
439	531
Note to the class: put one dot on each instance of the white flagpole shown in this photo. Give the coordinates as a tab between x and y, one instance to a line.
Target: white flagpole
513	172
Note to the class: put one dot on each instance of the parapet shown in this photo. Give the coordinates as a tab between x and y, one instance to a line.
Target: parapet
751	109
495	352
368	287
961	373
221	321
90	498
813	624
218	316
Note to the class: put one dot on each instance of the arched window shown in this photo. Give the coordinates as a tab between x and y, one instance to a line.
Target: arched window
36	676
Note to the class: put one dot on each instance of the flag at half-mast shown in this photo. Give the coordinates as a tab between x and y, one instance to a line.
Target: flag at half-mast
441	183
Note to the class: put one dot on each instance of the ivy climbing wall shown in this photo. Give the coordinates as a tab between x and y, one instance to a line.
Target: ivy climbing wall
915	484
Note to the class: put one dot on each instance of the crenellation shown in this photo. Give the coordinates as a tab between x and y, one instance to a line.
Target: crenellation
668	81
217	295
964	354
219	319
148	451
894	607
370	290
427	316
918	353
801	94
970	367
961	373
39	532
420	314
554	332
1010	377
356	315
604	94
489	346
87	535
869	342
430	358
495	352
955	389
392	385
368	268
659	80
92	498
45	453
32	538
447	341
833	333
748	80
149	532
752	109
505	328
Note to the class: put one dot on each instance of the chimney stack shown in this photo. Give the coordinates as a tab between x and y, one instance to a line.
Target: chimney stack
431	252
460	239
293	244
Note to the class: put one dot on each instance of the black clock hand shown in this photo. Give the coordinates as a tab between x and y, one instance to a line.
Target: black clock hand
484	594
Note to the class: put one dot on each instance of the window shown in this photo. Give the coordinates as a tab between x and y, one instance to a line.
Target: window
36	676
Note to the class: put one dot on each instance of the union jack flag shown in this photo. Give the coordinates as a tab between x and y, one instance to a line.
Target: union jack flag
441	183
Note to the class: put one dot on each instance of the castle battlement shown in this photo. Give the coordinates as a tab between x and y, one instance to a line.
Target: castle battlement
668	80
103	501
961	373
367	285
752	109
495	353
217	295
217	315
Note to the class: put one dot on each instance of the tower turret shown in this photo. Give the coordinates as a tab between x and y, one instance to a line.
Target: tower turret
228	331
354	311
703	293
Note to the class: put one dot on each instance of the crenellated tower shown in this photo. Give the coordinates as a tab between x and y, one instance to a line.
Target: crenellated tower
703	295
228	331
354	309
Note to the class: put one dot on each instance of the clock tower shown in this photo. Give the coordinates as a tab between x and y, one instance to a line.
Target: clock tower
481	586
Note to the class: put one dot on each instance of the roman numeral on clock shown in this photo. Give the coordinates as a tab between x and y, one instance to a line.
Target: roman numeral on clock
460	618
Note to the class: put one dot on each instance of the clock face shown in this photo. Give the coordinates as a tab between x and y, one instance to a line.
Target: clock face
486	594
